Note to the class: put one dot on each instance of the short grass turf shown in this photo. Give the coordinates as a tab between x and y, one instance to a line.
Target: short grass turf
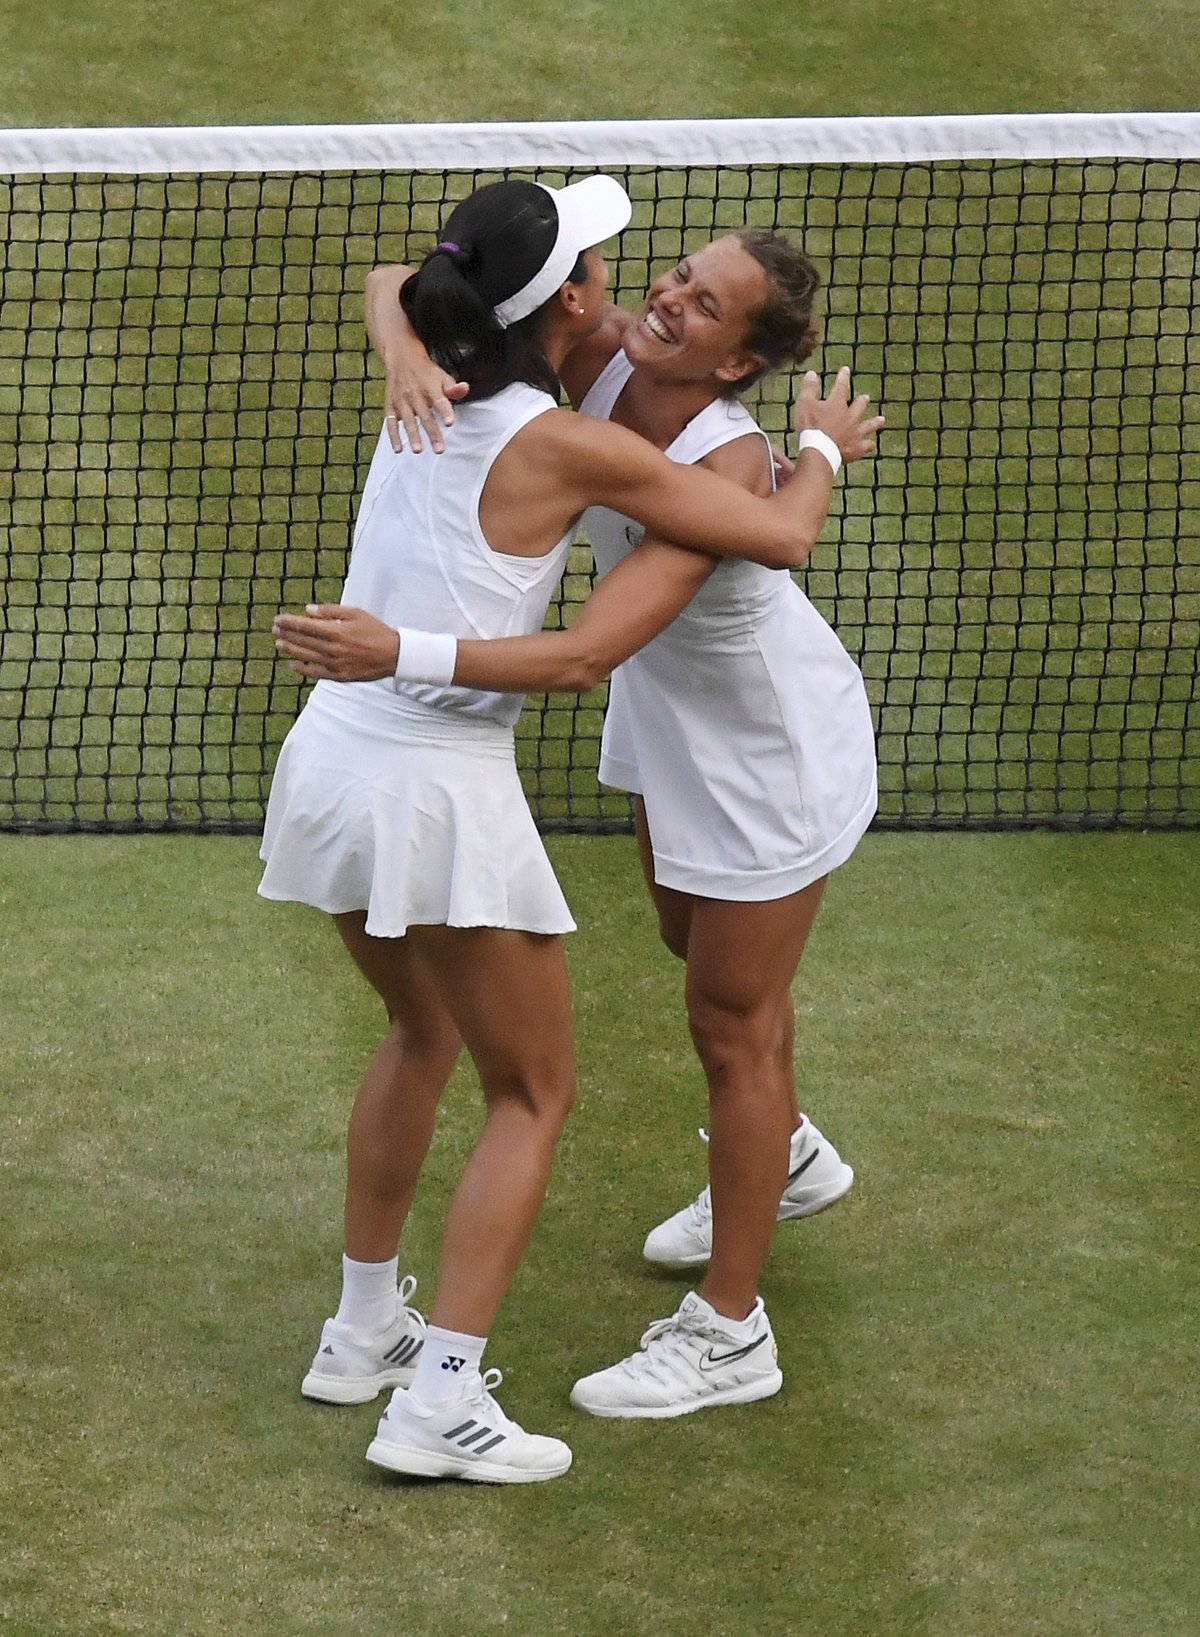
143	62
988	1424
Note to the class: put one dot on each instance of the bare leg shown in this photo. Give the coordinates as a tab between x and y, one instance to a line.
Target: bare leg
741	961
508	994
393	1117
675	925
674	908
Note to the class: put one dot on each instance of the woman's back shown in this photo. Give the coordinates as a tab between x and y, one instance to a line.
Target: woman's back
420	557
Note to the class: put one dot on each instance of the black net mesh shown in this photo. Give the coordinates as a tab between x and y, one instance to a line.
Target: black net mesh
187	411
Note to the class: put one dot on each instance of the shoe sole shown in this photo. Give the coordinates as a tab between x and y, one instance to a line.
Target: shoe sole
423	1463
808	1203
748	1392
353	1389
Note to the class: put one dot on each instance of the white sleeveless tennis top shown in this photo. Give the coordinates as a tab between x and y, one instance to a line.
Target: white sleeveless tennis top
745	724
409	804
420	558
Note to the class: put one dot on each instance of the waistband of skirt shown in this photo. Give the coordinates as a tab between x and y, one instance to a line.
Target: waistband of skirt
367	707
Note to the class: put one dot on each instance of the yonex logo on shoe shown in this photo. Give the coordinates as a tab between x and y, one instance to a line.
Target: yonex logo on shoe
468	1433
327	1349
452	1363
713	1360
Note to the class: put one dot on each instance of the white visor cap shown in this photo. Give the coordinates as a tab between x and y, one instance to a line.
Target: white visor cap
588	213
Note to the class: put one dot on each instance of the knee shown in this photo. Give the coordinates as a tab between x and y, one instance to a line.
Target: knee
433	1047
728	1032
546	1097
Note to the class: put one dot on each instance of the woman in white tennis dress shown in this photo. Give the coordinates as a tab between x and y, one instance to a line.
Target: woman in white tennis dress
745	732
396	805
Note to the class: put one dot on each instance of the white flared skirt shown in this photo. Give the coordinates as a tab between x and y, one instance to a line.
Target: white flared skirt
417	819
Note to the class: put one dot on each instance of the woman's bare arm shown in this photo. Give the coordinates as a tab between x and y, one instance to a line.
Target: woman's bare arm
417	393
597	463
632	604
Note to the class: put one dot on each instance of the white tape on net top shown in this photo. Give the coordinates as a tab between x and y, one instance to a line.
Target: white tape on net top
156	150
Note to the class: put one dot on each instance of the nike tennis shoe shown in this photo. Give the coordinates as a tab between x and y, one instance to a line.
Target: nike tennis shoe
817	1176
471	1439
687	1362
353	1369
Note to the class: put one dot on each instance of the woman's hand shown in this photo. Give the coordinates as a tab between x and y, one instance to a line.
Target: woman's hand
418	395
846	422
329	643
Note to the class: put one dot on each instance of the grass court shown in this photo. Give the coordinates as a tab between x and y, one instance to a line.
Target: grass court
988	1425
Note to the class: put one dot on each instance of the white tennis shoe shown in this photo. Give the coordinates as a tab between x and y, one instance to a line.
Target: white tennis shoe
687	1362
353	1369
817	1176
471	1438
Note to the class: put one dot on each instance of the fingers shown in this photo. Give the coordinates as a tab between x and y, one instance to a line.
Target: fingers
418	407
810	388
412	431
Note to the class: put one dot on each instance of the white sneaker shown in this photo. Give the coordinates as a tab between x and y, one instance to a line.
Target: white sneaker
352	1369
817	1176
471	1438
687	1362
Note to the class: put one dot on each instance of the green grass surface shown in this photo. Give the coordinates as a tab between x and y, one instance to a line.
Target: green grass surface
988	1423
989	1420
135	61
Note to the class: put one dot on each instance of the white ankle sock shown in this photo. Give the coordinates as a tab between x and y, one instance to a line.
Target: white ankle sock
447	1365
739	1329
369	1300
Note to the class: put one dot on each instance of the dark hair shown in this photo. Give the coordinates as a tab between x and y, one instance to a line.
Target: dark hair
492	244
782	331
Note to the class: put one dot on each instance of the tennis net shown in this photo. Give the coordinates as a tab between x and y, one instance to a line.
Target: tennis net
187	409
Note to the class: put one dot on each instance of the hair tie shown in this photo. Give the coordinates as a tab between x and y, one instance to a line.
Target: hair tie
459	255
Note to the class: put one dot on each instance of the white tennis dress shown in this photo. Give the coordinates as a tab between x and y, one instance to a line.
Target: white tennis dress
405	801
744	725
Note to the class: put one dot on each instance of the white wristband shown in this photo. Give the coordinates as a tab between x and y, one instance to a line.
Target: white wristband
824	444
426	656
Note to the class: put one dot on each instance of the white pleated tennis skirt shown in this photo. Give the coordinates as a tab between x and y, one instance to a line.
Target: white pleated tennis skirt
417	818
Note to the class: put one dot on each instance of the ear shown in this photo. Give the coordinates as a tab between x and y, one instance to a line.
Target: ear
571	298
738	366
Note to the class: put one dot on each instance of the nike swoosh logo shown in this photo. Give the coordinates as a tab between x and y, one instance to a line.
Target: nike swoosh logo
802	1167
714	1361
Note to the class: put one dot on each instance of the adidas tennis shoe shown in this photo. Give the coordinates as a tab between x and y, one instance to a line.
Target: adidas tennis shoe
352	1369
687	1362
471	1438
817	1176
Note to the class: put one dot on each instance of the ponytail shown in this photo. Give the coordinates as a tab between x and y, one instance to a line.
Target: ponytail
490	244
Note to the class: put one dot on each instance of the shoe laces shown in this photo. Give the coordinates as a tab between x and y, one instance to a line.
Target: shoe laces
698	1214
660	1346
488	1381
407	1285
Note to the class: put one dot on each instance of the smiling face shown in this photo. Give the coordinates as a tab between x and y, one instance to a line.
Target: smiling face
694	320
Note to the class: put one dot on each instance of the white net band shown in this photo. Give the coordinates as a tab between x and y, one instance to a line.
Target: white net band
153	150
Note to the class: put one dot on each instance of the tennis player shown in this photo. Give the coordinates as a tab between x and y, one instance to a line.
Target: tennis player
396	805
